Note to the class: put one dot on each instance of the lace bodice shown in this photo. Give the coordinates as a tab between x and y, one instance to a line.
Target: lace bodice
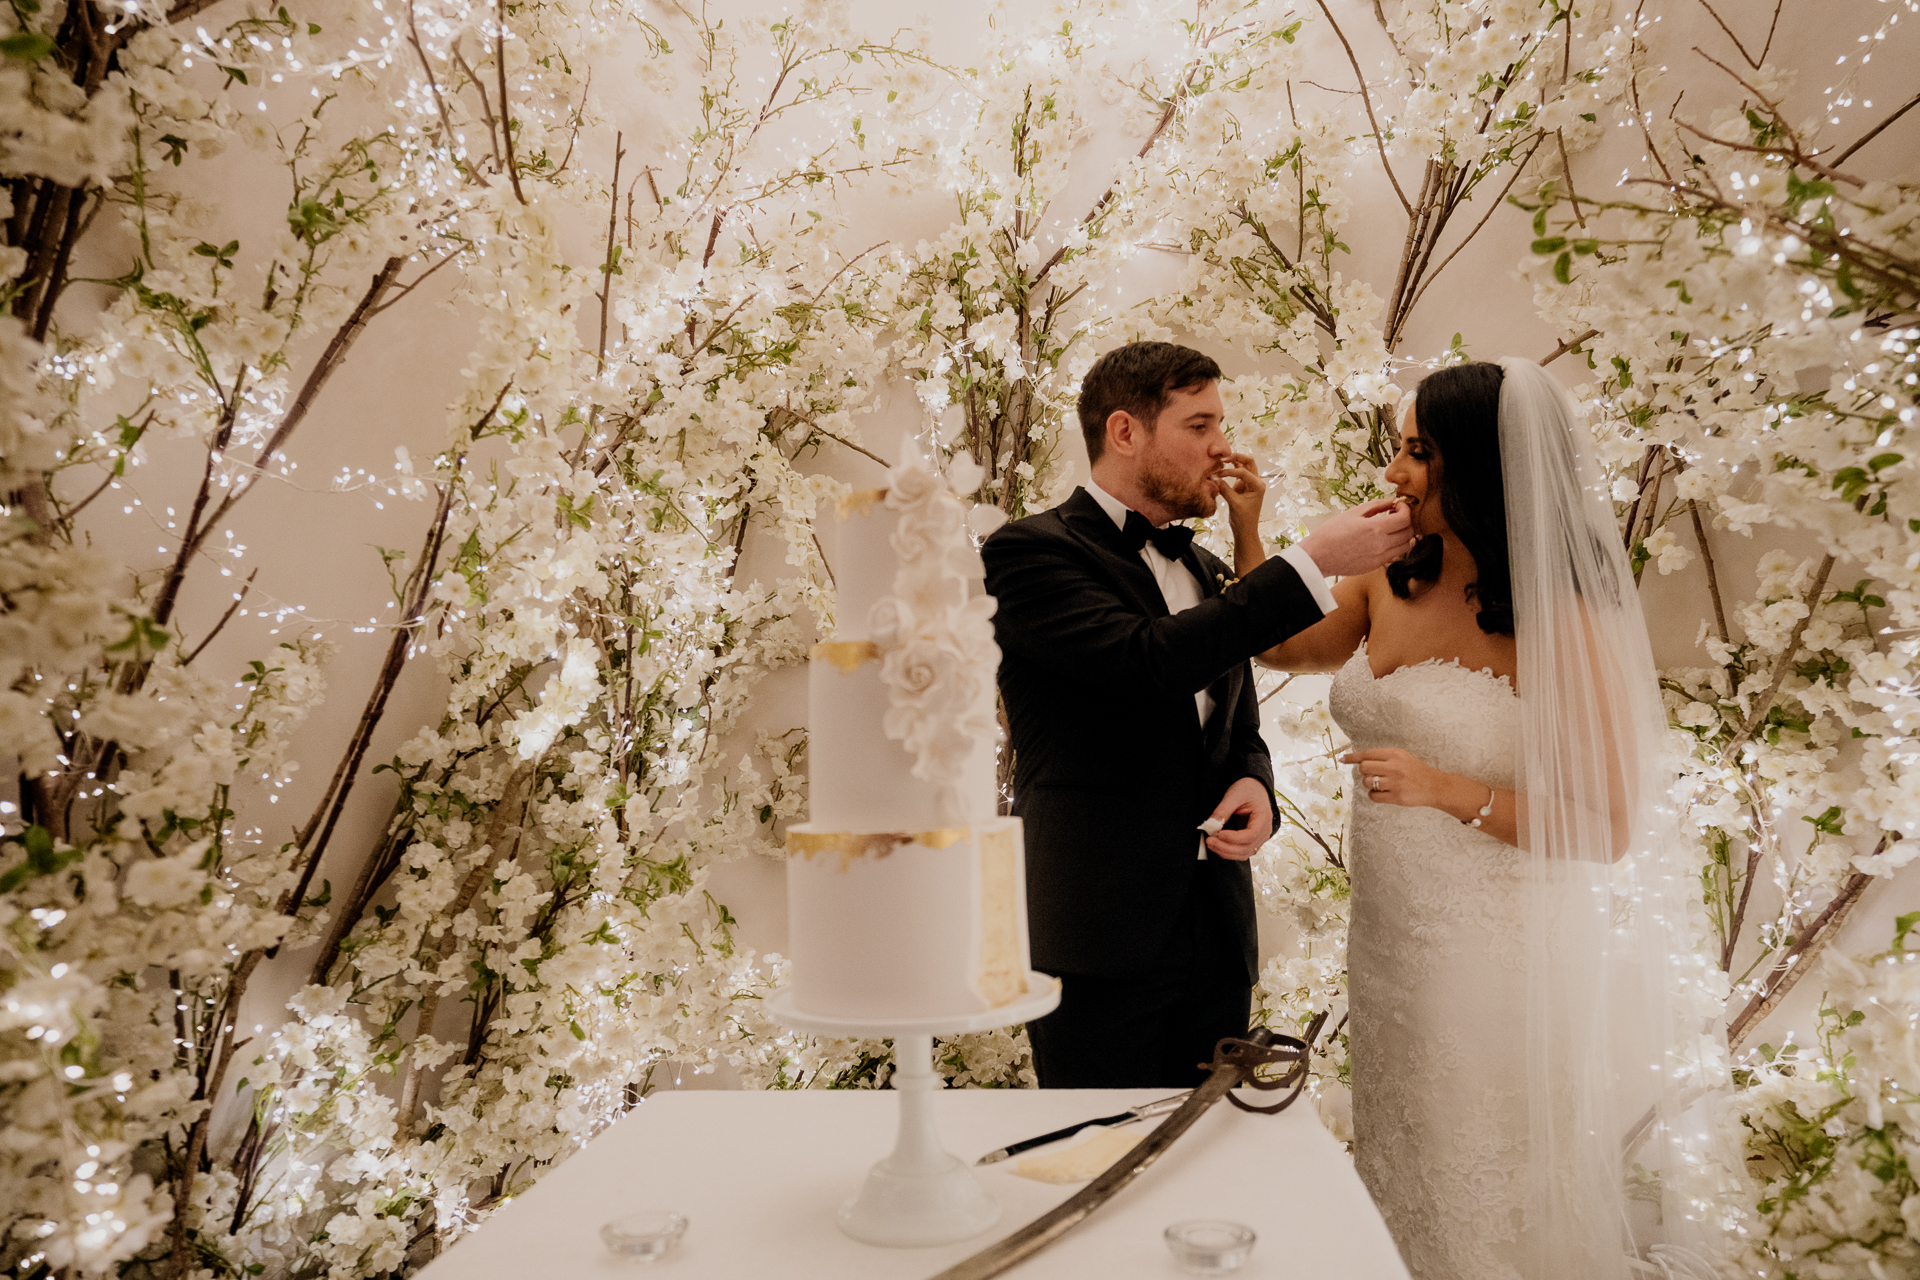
1458	718
1436	977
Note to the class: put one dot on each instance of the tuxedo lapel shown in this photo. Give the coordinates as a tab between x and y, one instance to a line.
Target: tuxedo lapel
1085	519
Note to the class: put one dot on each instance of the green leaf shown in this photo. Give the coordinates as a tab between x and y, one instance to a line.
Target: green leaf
27	46
42	858
1625	371
1880	461
1843	277
1798	191
578	1034
1831	823
130	433
1287	33
1850	481
1563	268
144	635
1549	244
1902	926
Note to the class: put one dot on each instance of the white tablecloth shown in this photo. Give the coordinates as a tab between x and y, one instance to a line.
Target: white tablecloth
760	1174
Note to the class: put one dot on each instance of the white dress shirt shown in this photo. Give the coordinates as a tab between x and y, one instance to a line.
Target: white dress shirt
1181	592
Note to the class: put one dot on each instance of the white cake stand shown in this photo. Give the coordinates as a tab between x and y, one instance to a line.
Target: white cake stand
920	1194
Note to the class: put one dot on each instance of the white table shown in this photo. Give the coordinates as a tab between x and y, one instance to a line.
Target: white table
759	1174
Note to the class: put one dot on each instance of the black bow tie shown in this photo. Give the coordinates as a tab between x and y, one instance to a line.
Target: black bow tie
1172	541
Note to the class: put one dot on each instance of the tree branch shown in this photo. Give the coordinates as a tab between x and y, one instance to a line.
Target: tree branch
1721	23
188	9
1366	100
239	597
1106	197
1780	667
439	103
1713	579
1499	202
1800	957
1571	344
606	266
506	115
1756	853
1878	129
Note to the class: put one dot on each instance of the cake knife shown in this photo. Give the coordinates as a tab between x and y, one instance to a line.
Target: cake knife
1144	1111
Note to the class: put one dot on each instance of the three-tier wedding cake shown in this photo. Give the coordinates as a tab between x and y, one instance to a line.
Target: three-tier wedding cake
906	894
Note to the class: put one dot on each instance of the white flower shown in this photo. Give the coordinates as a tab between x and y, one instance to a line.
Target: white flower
166	882
1693	485
562	702
1669	552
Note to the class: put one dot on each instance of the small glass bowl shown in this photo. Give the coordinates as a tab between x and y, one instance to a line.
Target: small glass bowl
1208	1247
647	1235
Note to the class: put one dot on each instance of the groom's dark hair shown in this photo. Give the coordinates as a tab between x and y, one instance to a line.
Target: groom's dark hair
1139	379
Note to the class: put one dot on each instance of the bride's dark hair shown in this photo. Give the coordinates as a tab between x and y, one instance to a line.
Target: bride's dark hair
1457	410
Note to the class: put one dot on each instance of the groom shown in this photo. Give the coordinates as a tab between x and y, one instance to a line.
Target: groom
1133	714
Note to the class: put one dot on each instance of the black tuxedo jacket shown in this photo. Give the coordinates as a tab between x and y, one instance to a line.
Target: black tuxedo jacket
1113	771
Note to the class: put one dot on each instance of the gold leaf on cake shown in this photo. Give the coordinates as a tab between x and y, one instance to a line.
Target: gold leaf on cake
858	504
846	654
1003	972
851	846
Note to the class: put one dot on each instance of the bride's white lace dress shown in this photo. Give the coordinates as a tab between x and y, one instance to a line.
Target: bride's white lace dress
1436	971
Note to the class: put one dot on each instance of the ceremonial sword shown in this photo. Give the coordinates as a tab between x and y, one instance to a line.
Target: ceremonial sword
1234	1062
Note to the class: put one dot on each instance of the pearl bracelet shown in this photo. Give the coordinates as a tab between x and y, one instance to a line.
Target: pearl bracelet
1486	810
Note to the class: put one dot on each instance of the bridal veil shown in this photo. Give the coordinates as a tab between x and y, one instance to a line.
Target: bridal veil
1617	1036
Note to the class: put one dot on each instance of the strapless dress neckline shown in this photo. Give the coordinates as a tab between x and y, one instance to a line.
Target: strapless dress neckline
1454	664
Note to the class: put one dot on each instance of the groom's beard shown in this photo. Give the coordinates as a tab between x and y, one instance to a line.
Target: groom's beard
1182	496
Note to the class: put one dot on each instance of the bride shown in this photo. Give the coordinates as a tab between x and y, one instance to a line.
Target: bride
1517	1050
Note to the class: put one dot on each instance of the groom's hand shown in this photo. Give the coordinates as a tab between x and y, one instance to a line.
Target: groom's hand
1360	539
1248	796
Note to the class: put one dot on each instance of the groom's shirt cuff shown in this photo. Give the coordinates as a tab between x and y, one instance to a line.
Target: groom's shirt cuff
1316	582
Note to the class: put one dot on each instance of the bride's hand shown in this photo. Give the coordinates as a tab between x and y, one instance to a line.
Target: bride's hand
1393	776
1244	495
1244	492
